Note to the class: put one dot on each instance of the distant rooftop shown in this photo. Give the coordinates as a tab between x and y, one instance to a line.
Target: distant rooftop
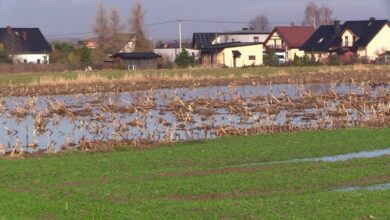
31	40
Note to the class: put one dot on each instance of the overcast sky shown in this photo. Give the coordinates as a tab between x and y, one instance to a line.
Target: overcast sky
74	16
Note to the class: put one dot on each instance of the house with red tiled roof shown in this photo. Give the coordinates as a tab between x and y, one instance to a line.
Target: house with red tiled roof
289	40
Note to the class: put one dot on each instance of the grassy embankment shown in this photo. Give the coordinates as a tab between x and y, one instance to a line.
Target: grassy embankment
79	76
192	180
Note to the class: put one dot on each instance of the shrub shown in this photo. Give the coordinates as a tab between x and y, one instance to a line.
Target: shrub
271	59
184	59
4	56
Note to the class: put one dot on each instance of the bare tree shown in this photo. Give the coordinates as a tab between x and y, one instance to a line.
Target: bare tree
101	29
12	43
316	16
259	23
136	24
116	41
325	15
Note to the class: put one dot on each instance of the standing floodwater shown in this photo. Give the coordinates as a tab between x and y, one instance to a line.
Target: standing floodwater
52	123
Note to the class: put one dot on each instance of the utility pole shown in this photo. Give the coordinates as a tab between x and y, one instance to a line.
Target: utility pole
180	40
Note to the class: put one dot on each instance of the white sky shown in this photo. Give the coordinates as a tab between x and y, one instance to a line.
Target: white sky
74	16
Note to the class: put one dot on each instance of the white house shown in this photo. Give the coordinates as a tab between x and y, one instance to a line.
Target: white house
200	40
25	45
231	49
234	54
246	36
171	50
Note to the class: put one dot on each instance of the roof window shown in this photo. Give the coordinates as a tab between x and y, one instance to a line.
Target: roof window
321	39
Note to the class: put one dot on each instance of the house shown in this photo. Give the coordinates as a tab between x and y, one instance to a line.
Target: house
365	39
384	58
200	40
129	45
25	45
247	35
136	60
90	44
233	54
288	40
171	50
231	49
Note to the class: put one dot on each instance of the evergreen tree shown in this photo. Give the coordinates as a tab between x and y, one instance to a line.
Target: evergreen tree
84	56
4	56
271	59
184	59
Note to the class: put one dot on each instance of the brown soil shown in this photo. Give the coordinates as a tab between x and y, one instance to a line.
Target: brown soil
373	77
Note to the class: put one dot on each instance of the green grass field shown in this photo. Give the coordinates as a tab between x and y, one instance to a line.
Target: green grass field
204	180
28	78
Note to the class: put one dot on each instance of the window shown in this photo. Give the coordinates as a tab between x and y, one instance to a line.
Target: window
24	61
38	61
232	39
346	41
256	39
252	57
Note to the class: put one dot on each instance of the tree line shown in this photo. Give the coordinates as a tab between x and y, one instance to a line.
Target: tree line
111	36
314	15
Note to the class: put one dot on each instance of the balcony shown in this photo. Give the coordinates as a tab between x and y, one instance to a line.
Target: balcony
277	47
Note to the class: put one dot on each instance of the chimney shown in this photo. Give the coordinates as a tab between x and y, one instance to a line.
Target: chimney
9	30
24	35
372	18
336	27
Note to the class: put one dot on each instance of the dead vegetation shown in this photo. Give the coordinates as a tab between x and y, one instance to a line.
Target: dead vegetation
90	83
105	120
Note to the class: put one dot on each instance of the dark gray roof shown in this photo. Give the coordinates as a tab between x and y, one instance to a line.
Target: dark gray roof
322	39
201	40
174	45
35	42
325	39
366	30
137	55
217	47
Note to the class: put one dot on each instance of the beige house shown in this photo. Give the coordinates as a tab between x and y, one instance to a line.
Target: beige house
289	40
234	54
366	39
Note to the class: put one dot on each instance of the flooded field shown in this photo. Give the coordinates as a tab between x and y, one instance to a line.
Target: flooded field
36	124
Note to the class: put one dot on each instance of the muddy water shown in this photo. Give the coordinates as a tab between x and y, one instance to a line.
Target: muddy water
92	121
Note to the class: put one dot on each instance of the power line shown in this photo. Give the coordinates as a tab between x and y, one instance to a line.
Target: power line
217	22
90	32
68	34
161	23
173	21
